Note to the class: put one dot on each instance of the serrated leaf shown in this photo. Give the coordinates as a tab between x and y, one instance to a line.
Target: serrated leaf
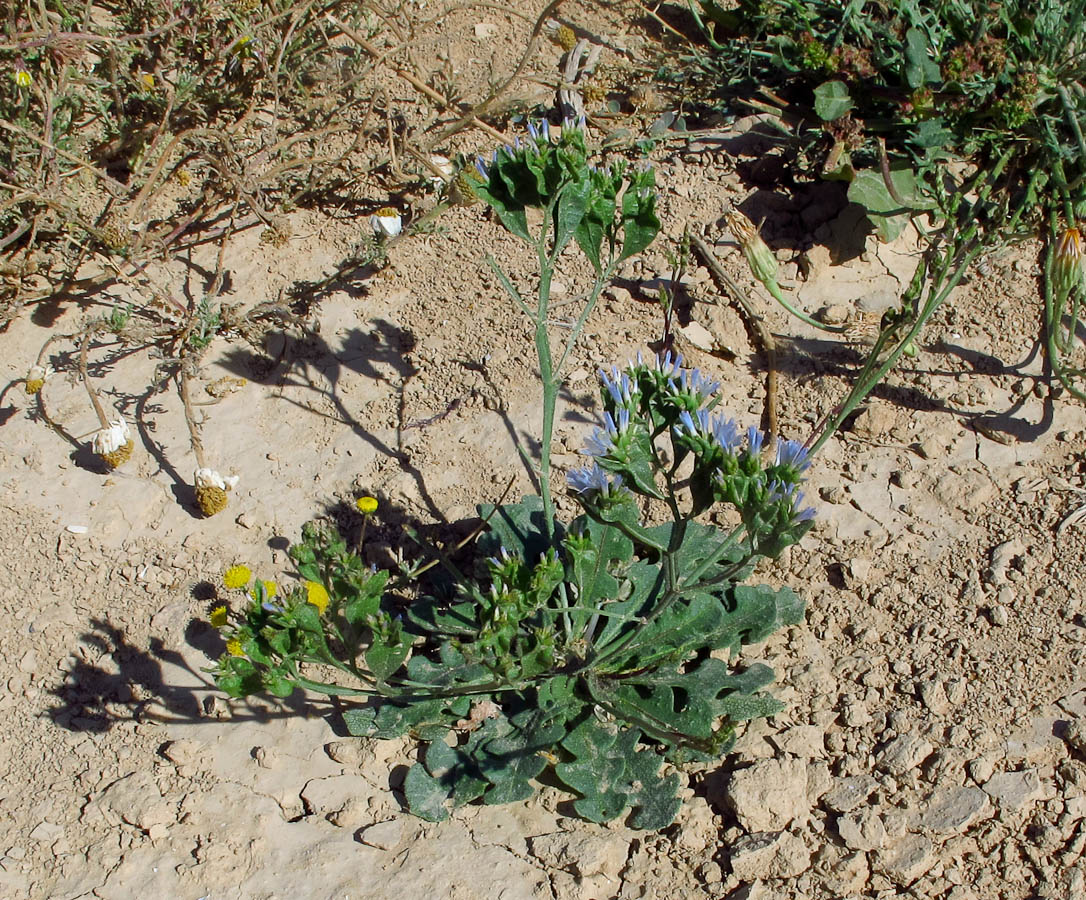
832	100
426	796
591	557
570	211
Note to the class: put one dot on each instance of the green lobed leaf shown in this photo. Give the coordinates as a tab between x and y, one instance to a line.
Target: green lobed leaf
889	217
383	659
519	527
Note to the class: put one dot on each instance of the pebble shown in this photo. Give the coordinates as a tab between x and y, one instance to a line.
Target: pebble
955	811
863	830
1013	791
383	835
905	861
848	793
768	795
903	753
582	854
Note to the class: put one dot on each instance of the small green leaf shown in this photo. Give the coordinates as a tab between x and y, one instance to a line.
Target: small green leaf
384	659
832	100
426	796
920	68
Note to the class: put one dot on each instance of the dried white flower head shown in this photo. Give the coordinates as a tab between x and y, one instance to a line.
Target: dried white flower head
444	166
211	488
35	378
113	443
386	222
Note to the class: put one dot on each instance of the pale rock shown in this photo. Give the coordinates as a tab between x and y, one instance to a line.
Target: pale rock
328	796
752	856
46	831
955	811
793	857
696	829
484	31
136	799
804	741
185	752
769	795
862	830
981	768
583	854
933	695
1001	557
875	422
383	835
849	876
906	860
819	780
699	336
904	753
1013	791
848	793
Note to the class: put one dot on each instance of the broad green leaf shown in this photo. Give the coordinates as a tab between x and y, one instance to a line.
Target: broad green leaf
591	556
889	217
832	100
519	527
426	796
570	211
384	659
920	68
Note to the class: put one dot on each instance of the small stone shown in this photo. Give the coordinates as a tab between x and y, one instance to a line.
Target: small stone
383	835
955	811
484	31
904	753
907	860
875	422
848	793
583	855
1014	790
752	856
849	875
699	336
768	795
184	752
350	753
933	695
930	448
863	830
804	741
46	831
1075	736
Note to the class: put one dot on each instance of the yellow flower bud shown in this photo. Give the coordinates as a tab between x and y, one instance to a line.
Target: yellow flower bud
1068	267
218	617
366	505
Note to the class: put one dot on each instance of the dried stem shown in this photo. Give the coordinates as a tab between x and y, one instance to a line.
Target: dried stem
183	379
91	392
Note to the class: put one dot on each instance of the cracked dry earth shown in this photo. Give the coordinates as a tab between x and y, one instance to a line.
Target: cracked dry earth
933	743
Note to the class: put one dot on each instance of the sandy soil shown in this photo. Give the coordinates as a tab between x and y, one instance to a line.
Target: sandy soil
932	744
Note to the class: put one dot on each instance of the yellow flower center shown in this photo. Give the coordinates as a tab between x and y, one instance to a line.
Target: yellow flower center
237	577
218	616
366	505
233	647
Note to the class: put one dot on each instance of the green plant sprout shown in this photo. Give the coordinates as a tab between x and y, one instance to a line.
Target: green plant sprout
603	648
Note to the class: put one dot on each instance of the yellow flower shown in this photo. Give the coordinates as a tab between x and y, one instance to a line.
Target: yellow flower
218	616
270	589
22	78
317	595
35	378
148	80
237	577
366	505
233	647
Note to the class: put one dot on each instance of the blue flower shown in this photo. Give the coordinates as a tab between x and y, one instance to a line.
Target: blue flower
602	441
592	478
755	440
792	453
481	168
694	429
693	382
618	386
725	433
666	364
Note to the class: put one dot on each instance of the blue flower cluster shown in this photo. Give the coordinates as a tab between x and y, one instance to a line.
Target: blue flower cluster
646	401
